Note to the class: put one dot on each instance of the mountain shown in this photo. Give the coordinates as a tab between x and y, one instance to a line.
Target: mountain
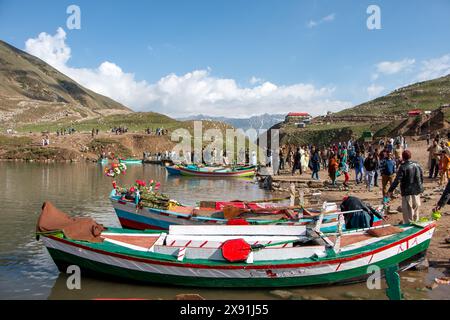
263	122
32	91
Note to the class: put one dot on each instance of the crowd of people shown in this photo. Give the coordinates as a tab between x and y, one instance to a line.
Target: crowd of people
369	161
157	132
119	130
94	132
64	131
387	161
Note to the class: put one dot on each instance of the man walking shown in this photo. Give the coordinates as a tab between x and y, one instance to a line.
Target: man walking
410	177
433	153
370	165
358	164
387	169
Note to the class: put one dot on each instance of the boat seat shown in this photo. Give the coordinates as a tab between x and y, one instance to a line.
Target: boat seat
181	209
238	230
132	241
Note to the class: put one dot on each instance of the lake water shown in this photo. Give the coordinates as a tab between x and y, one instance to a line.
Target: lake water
28	272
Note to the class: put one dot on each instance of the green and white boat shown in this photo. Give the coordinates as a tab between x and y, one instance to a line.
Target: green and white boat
242	256
130	161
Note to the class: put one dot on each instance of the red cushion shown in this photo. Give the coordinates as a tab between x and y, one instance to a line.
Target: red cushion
236	250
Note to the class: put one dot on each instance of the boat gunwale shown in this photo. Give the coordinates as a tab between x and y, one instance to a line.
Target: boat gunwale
161	259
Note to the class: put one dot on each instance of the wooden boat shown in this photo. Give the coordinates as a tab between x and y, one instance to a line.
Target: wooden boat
222	172
130	161
103	161
142	218
242	256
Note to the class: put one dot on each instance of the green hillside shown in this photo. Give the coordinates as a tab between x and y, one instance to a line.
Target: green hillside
427	95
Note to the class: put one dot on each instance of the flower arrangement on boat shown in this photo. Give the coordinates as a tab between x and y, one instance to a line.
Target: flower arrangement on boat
145	194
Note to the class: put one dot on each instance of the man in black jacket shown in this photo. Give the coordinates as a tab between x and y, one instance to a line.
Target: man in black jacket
297	162
410	177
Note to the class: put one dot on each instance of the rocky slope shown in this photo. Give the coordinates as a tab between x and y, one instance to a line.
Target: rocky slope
32	91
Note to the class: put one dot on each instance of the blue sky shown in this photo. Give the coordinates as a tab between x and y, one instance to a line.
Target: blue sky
188	57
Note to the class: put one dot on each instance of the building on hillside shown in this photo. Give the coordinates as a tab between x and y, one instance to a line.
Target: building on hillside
297	117
414	113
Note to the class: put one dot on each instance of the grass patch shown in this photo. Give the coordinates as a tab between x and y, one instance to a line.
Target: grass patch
13	142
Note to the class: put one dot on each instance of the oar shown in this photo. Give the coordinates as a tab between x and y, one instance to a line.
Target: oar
235	250
231	212
262	200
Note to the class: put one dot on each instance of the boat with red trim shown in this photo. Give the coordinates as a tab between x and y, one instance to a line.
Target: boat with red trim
212	213
212	171
235	256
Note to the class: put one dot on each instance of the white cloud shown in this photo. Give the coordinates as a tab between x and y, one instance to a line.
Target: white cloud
374	90
434	68
393	67
193	93
328	18
255	80
51	49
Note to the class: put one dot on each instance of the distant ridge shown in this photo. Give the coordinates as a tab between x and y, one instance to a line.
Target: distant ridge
263	122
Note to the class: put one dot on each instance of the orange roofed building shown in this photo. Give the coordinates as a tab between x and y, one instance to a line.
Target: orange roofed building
413	113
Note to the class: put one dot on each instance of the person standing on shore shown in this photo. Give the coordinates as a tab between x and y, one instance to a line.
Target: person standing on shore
324	157
444	167
398	151
445	198
387	170
333	166
315	163
410	177
343	166
359	168
281	160
377	168
370	166
433	153
297	162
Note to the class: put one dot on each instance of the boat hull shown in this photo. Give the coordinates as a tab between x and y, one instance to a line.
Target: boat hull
131	161
184	171
151	218
151	268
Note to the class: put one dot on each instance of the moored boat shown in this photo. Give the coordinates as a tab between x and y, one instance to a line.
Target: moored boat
130	161
145	217
103	160
235	256
207	171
